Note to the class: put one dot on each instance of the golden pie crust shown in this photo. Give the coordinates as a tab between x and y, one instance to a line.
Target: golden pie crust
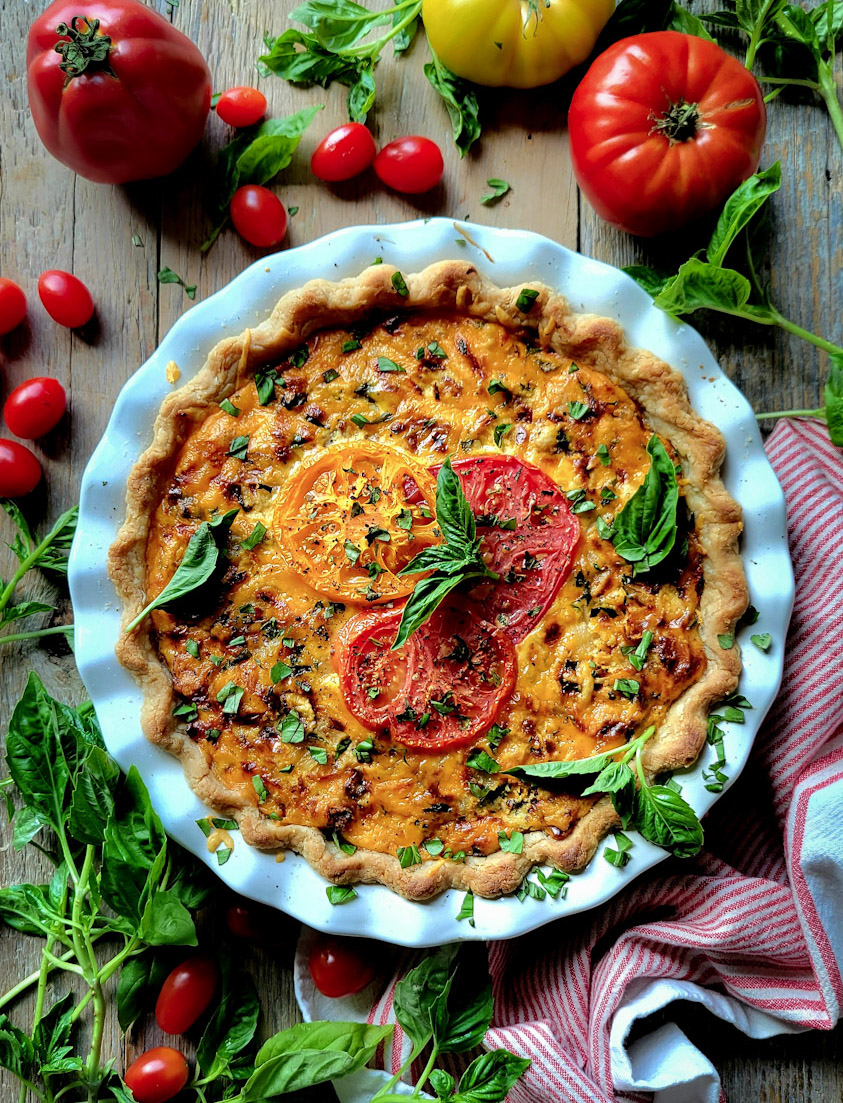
636	386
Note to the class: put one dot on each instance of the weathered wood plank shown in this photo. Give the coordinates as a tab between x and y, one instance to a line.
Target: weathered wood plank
49	218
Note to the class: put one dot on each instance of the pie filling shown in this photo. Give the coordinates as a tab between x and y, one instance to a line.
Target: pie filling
283	662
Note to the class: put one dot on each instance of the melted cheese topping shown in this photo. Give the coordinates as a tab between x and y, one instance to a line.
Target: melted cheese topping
263	636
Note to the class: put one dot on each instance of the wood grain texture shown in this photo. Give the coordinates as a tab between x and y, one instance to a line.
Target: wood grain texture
50	218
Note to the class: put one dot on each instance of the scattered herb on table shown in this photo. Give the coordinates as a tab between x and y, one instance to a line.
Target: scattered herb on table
167	275
456	561
499	189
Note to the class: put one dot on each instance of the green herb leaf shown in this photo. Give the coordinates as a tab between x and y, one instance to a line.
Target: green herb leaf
500	432
578	410
645	529
255	536
280	671
511	844
726	640
340	894
666	819
259	788
490	1077
467	909
460	99
479	760
526	300
762	640
312	1053
292	728
230	408
387	365
167	275
499	190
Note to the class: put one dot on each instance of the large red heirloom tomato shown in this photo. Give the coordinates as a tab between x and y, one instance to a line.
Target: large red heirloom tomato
116	92
664	127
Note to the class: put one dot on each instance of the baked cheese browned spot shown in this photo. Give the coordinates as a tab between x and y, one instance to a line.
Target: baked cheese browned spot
266	698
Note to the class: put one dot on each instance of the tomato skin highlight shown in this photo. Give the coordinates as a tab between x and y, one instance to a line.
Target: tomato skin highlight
186	994
411	165
65	298
157	1075
12	305
644	163
344	153
338	968
241	106
259	216
35	407
20	471
139	121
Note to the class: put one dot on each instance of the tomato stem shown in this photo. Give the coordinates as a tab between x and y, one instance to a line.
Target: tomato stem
83	47
680	123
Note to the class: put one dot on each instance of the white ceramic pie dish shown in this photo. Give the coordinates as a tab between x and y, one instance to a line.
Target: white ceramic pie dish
513	257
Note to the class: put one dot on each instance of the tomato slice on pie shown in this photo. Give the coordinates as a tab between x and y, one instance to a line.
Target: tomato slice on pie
529	537
352	519
442	690
371	675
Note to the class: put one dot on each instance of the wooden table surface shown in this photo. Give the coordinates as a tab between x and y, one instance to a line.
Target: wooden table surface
50	218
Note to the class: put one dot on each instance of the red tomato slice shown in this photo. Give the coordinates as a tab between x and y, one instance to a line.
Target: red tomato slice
534	558
371	676
443	689
460	671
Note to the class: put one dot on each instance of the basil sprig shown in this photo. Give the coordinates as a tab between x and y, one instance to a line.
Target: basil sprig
704	283
644	531
336	45
454	562
198	564
658	812
48	553
446	1003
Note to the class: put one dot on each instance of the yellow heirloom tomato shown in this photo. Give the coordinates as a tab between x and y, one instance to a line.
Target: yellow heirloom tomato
514	43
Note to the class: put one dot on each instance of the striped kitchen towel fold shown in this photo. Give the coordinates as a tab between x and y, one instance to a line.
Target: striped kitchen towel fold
752	928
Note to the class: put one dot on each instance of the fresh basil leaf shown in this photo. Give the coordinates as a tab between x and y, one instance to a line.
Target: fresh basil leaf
645	529
311	1053
666	819
92	801
166	921
27	823
490	1077
500	188
233	1024
679	19
834	401
460	99
699	285
27	908
741	207
337	24
653	280
442	1083
479	760
361	94
404	39
453	513
23	609
259	153
340	894
423	602
421	996
46	743
17	1050
134	850
557	770
614	777
196	567
139	982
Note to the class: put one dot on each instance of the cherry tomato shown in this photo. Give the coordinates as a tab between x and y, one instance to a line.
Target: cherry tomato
35	407
157	1075
339	967
345	152
241	106
12	305
663	127
410	165
66	299
20	471
258	216
186	994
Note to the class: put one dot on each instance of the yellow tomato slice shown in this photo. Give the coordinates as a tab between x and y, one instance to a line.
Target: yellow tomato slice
351	520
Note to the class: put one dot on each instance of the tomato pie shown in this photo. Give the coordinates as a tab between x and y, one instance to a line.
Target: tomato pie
409	538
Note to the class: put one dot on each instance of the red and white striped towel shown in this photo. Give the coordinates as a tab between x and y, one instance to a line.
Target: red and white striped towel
751	929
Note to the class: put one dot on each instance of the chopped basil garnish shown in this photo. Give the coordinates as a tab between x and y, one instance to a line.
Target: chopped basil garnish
255	536
292	728
499	190
340	894
603	455
526	300
512	844
409	856
577	410
762	640
238	448
230	408
467	911
260	788
500	432
319	754
280	671
192	648
400	285
479	760
387	365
